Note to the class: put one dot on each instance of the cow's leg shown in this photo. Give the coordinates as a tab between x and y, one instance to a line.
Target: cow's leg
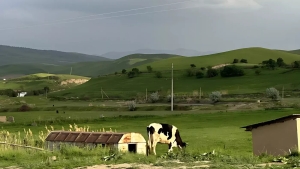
170	147
154	147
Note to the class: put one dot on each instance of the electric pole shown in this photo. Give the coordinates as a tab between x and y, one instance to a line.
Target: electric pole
172	91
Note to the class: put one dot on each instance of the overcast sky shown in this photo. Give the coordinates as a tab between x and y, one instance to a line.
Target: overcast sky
203	25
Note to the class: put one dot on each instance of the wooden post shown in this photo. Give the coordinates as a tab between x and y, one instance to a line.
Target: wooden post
101	93
146	94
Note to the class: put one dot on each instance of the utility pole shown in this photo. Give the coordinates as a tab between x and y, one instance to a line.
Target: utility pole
172	91
71	71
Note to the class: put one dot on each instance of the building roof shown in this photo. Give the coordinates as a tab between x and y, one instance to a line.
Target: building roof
85	137
278	120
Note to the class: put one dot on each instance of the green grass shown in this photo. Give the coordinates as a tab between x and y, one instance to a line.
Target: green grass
203	131
253	55
121	86
39	81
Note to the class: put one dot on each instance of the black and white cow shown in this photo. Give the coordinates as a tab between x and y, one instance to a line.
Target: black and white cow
165	134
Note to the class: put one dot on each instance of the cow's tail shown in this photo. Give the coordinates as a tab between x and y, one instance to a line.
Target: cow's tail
150	140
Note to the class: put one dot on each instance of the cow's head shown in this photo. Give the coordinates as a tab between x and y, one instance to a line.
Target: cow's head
183	145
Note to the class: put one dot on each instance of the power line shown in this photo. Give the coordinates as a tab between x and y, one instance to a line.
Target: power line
128	10
141	13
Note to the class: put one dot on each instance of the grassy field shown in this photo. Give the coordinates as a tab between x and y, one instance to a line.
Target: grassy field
120	86
203	131
39	81
253	55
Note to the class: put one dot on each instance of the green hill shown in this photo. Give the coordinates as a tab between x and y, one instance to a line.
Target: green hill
120	86
18	55
253	55
39	81
90	69
295	51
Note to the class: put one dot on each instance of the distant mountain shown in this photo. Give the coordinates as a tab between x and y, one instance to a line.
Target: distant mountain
20	55
295	51
179	51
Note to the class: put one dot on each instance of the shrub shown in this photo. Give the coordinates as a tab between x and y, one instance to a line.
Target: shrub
280	62
202	68
169	98
235	61
231	71
24	108
257	72
131	74
255	66
149	68
190	72
199	74
154	97
136	71
158	74
211	73
131	106
123	71
272	93
244	61
192	65
215	96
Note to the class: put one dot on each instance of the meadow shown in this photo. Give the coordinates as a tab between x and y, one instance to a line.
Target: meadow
204	131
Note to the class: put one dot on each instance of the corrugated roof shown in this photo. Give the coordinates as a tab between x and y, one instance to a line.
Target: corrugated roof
278	120
85	137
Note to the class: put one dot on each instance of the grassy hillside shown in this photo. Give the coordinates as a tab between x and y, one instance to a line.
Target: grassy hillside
18	55
295	51
90	69
120	86
41	80
253	55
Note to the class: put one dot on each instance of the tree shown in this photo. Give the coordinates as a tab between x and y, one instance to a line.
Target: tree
244	61
272	93
136	71
192	65
154	97
46	89
235	61
296	64
202	68
212	73
215	96
131	74
190	72
199	74
158	74
232	71
272	64
280	62
257	72
149	68
123	71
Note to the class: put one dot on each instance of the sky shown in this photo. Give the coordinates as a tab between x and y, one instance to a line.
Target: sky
101	26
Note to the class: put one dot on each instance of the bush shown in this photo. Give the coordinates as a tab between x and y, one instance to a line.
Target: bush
199	74
215	96
257	72
131	106
192	65
169	98
211	73
24	108
131	74
202	68
235	61
244	61
154	97
232	71
190	72
149	68
123	71
272	93
158	74
255	66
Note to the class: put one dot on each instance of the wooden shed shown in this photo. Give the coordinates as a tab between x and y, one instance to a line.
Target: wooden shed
125	142
276	137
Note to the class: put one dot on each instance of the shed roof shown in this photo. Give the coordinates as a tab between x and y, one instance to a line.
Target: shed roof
278	120
85	137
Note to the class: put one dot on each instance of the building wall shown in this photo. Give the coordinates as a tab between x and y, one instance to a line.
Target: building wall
141	148
3	119
275	139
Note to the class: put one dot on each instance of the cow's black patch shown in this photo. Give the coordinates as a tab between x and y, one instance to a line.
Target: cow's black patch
150	129
166	129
